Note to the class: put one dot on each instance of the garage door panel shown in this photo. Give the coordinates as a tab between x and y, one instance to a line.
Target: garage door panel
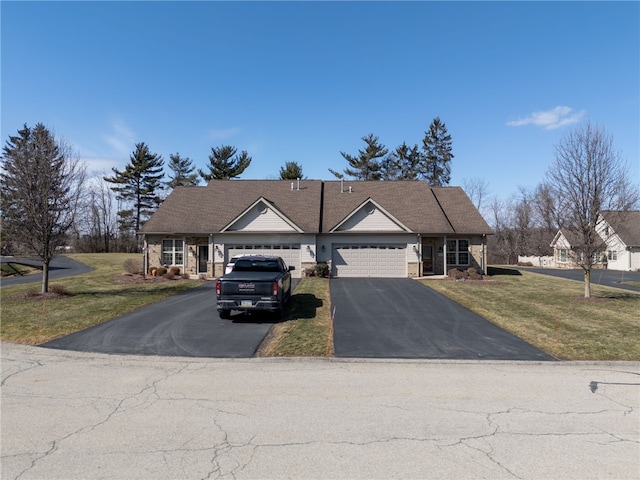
360	260
289	253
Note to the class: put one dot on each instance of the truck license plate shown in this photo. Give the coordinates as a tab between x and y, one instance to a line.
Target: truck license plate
246	303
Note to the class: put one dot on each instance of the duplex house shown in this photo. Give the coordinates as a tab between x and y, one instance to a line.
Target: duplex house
359	228
620	236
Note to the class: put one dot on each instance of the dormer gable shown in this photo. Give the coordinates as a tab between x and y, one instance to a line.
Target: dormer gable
261	216
370	217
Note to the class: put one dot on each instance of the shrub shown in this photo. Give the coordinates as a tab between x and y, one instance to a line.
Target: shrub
469	274
161	271
318	270
60	290
132	265
456	274
175	271
322	270
473	274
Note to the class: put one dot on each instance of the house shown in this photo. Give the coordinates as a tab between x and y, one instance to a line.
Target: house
564	249
359	228
620	235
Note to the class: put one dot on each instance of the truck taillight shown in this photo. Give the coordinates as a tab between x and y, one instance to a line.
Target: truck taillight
275	289
218	287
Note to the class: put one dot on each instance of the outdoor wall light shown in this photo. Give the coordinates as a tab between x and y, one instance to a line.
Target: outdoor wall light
322	249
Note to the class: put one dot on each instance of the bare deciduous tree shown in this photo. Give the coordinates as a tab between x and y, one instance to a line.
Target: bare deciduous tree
99	218
42	182
588	176
477	189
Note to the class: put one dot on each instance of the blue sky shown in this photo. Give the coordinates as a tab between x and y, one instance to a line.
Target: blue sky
302	81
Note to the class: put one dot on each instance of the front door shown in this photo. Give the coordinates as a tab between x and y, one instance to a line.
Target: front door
203	258
427	259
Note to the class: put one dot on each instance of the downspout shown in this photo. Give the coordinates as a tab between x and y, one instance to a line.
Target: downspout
444	255
145	258
484	252
420	272
212	256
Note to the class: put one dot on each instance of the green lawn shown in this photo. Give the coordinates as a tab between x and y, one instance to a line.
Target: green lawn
97	296
548	312
307	327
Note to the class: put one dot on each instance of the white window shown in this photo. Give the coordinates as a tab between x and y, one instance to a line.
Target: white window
612	255
563	255
458	252
173	252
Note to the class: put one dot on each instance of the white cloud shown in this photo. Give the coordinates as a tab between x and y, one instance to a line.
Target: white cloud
557	117
98	167
121	138
223	133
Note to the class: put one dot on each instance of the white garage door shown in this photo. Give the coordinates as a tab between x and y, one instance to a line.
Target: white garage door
369	261
289	253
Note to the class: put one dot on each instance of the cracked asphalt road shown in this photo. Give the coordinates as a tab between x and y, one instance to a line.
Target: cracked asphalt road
77	415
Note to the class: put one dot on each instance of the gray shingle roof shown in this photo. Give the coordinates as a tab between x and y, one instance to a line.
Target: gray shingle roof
625	224
204	210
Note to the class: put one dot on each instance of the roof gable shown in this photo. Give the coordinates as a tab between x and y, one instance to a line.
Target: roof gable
561	240
370	217
262	216
625	224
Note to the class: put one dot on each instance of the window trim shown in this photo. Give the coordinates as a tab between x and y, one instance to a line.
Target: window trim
173	251
562	252
457	253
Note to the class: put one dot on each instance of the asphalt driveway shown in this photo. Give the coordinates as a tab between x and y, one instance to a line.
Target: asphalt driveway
185	325
59	267
607	278
401	318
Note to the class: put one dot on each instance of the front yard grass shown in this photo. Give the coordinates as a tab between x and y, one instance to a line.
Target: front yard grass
94	297
307	329
547	312
551	313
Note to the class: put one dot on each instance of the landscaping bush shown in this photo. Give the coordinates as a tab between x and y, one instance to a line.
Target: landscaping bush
456	274
132	265
175	271
60	290
469	274
473	274
161	271
318	270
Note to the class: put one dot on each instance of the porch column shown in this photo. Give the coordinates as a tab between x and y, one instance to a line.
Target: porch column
444	255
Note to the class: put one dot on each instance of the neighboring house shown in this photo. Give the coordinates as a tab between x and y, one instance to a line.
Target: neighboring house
564	249
620	235
360	228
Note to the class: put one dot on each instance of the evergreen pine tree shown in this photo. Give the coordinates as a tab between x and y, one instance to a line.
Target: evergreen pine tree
42	184
437	154
183	172
140	183
291	171
367	164
225	163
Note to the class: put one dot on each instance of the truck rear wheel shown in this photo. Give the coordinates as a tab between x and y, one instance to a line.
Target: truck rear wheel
224	314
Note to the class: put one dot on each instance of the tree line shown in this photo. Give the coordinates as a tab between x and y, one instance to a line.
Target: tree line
430	162
48	201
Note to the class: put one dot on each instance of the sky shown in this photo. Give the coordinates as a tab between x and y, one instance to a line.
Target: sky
305	81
